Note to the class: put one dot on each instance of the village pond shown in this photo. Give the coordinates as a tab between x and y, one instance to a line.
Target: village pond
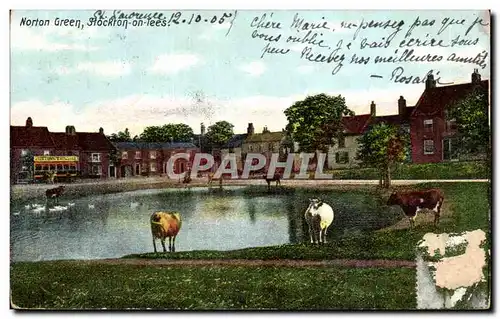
114	225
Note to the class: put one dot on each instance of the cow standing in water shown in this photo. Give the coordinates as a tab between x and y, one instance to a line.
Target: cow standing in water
413	202
54	193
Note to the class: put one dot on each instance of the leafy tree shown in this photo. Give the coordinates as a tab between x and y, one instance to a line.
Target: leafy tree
315	121
167	133
120	136
381	146
471	116
220	132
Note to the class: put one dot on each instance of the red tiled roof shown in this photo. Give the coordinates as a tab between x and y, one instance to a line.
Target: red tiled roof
395	119
35	136
355	124
434	100
65	141
94	142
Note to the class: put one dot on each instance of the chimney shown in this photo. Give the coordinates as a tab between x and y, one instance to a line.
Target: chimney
476	77
265	130
250	129
401	105
101	130
430	82
202	129
373	109
29	122
70	130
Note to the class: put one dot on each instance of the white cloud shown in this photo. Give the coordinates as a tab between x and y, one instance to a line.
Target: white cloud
110	69
105	69
255	68
174	63
29	39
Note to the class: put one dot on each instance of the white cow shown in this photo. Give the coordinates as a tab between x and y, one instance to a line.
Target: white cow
319	216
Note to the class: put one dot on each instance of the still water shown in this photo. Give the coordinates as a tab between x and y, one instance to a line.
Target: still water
114	225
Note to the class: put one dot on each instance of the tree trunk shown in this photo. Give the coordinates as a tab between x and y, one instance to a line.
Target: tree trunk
388	176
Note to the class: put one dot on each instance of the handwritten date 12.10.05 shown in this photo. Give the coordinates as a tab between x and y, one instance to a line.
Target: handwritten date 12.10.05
160	19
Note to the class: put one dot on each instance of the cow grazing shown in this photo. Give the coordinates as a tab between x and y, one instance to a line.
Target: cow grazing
54	192
413	202
319	216
163	225
276	177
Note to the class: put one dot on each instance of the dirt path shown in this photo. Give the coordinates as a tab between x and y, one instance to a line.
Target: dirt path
380	263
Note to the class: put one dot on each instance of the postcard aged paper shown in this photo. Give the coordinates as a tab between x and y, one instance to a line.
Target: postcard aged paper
250	160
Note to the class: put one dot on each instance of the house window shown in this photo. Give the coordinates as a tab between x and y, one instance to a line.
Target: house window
428	147
96	170
341	141
450	149
428	125
96	157
138	154
451	125
125	155
152	167
46	152
152	155
341	157
271	147
250	148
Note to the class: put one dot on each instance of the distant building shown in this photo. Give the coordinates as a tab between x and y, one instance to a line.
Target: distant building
150	159
265	143
235	145
432	135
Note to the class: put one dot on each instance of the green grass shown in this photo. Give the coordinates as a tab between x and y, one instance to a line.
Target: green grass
63	285
468	201
449	170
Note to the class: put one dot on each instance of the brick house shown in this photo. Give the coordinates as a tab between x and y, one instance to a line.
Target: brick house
27	141
235	145
343	153
150	159
95	155
265	143
36	151
432	136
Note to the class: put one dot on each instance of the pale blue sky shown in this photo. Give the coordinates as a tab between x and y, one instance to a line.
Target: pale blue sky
116	78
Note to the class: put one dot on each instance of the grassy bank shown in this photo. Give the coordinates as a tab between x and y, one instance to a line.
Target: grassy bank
450	170
61	285
468	201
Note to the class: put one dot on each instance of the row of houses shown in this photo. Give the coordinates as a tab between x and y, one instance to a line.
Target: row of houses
35	150
432	135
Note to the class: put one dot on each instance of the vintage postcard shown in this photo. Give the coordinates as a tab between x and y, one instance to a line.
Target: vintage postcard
250	160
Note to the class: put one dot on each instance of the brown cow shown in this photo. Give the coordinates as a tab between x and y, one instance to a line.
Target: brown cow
163	225
54	192
413	202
